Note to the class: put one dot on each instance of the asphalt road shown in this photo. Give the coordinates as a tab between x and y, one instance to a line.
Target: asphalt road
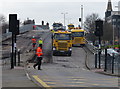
69	71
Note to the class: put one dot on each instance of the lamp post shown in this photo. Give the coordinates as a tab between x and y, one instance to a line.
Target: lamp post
64	17
69	20
82	16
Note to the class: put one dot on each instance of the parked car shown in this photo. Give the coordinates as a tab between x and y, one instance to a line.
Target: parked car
110	52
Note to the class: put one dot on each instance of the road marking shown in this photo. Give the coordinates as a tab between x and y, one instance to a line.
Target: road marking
40	81
95	84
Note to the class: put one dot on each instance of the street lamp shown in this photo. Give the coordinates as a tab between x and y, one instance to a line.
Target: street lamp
82	16
69	20
64	17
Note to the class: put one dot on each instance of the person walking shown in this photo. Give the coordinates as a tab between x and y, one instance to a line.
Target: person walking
39	58
33	42
40	42
34	27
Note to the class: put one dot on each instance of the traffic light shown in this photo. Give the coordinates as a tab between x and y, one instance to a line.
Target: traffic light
79	19
99	27
17	30
12	23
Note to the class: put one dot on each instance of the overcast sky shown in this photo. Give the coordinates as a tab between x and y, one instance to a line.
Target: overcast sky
50	10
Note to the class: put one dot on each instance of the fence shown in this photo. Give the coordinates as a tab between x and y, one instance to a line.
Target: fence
109	63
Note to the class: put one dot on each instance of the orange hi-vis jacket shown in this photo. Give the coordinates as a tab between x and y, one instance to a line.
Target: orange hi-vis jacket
39	52
33	40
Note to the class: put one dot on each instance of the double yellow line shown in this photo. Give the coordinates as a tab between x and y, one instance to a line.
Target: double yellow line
41	82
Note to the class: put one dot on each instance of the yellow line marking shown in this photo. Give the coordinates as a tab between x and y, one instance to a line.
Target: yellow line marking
40	81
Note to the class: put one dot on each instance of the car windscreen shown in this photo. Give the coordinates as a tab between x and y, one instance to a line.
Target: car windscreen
70	25
77	34
57	25
59	36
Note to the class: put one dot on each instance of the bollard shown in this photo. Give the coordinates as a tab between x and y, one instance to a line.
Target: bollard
15	50
18	57
96	60
113	64
105	69
99	54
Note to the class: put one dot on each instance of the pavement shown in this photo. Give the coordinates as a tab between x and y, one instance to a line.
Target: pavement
17	77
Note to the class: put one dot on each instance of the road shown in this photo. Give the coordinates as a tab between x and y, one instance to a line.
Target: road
69	71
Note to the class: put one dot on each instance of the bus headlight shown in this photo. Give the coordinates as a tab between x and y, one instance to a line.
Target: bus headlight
54	48
70	49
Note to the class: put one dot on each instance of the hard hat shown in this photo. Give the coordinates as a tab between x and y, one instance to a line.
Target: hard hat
40	38
33	36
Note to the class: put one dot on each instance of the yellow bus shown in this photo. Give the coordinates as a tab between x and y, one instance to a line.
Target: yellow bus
78	37
70	26
62	43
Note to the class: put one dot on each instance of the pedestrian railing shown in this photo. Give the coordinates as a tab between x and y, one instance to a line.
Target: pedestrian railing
110	64
91	47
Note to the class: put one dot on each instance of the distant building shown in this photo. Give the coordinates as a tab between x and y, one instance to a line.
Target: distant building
113	17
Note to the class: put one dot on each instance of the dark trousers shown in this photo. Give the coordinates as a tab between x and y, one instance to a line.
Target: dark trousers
34	45
39	60
40	45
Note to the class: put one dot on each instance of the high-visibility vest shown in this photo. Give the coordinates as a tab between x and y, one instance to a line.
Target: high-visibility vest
33	40
40	42
39	52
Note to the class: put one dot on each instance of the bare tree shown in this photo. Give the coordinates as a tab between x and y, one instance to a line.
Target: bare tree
89	26
3	24
2	18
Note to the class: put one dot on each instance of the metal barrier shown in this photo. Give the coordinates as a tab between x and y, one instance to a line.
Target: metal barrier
110	64
91	47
